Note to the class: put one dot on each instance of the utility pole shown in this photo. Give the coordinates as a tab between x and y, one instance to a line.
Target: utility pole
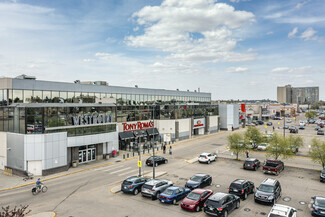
139	153
153	142
284	121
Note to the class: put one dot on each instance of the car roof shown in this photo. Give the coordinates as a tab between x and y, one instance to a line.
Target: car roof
251	159
174	187
200	174
239	181
217	196
269	181
154	181
200	190
205	153
281	209
132	178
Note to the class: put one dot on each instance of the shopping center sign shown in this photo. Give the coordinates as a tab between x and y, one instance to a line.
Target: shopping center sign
91	119
198	123
137	126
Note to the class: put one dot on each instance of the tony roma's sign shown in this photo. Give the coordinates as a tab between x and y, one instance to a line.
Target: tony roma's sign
137	126
198	123
91	119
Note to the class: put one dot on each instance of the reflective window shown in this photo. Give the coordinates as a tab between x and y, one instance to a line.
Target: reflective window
47	96
70	97
17	96
37	96
28	94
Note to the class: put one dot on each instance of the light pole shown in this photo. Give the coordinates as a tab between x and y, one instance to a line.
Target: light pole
139	153
284	121
153	142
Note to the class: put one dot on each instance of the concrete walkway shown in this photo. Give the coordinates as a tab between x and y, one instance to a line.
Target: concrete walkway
43	214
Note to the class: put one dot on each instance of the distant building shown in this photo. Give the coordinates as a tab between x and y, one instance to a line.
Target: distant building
229	116
300	95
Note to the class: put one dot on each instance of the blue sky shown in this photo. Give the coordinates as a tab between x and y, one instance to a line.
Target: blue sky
235	49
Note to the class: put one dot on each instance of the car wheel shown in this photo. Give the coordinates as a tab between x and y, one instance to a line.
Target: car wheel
225	214
237	205
166	161
255	168
174	201
245	195
197	209
209	162
136	191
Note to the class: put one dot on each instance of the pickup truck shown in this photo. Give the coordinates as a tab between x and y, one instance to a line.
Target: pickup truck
273	167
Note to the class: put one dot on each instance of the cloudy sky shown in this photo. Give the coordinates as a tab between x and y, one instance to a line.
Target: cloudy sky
235	49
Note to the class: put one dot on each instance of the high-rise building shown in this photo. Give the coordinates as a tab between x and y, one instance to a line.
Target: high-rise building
300	95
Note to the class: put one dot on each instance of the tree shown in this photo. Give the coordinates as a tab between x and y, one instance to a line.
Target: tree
279	147
253	135
317	151
315	106
16	212
236	144
295	142
310	114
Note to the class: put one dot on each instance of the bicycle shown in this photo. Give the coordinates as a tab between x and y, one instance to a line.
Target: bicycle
37	190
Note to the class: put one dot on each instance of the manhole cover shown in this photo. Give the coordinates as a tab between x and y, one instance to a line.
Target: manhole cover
302	202
247	209
286	199
218	186
300	177
182	179
262	213
176	176
300	210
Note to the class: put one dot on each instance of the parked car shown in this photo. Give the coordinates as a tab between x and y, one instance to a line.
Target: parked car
199	181
262	146
301	127
317	128
269	123
133	184
286	127
279	210
289	120
273	167
268	192
154	187
311	121
220	204
293	130
318	206
320	132
322	175
158	160
207	158
260	122
242	188
173	194
196	199
302	123
251	164
292	127
320	124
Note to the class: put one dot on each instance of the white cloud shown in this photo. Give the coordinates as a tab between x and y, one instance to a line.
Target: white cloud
293	32
196	30
89	60
270	33
295	71
301	4
309	81
236	69
308	34
280	69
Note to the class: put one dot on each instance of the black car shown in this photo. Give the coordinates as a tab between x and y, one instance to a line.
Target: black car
220	204
199	181
158	160
317	128
241	188
269	123
268	192
286	127
251	164
322	175
320	132
318	206
260	122
133	184
293	130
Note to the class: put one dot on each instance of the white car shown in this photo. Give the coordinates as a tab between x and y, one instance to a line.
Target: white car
207	158
302	123
289	120
262	146
279	210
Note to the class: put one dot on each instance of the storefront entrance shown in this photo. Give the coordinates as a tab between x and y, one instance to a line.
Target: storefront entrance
87	153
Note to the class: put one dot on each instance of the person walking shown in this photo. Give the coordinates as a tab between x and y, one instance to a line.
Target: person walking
170	150
246	152
273	128
164	149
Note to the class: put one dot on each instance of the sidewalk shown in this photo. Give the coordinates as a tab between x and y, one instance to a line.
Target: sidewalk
43	214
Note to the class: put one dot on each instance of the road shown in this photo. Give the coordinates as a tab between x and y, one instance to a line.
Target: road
88	193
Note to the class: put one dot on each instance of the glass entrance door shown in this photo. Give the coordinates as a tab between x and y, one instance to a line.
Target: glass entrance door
87	155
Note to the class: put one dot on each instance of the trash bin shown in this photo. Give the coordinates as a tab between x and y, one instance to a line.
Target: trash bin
114	153
74	164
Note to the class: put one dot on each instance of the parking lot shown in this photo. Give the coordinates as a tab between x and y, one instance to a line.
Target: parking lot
298	186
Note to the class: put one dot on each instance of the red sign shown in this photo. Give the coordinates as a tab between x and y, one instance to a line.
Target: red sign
137	126
243	107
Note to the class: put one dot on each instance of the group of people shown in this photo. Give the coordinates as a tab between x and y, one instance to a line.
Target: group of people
170	149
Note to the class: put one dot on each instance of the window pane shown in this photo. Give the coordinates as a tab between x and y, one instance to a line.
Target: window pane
70	97
55	97
28	96
37	96
47	96
17	96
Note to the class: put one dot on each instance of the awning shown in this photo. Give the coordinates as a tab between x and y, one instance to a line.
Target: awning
140	133
152	132
126	135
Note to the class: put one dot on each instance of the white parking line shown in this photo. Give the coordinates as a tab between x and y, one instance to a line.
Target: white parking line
103	168
120	170
131	171
111	168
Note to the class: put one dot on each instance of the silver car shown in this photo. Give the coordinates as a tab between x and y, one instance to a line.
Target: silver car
154	187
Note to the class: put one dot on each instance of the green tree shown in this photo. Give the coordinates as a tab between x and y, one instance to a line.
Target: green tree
310	114
236	144
253	135
295	142
317	151
279	147
315	106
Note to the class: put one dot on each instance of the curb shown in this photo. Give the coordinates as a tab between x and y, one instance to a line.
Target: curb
48	214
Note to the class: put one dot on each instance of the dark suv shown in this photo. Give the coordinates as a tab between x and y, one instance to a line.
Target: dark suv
199	181
322	175
241	188
251	164
133	184
220	204
268	192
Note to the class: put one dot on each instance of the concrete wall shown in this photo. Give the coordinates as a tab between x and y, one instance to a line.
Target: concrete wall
184	128
223	116
166	127
229	116
3	150
235	119
213	124
15	153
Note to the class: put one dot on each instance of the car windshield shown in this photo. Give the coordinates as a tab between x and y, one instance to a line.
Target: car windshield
127	182
193	196
196	178
323	171
320	202
202	155
147	186
212	203
266	188
262	144
168	192
235	186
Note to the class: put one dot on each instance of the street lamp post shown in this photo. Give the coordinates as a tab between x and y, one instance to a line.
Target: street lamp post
139	153
153	143
284	121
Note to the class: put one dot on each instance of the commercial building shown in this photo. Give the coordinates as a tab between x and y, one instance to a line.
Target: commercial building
45	126
300	95
229	116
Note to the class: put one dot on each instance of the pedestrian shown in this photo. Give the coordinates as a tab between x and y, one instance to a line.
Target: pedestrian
170	150
232	128
273	128
246	152
164	149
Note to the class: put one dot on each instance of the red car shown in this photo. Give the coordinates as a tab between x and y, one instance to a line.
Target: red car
195	200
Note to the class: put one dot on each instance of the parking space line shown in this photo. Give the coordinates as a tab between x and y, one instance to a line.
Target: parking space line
112	168
120	170
131	171
102	168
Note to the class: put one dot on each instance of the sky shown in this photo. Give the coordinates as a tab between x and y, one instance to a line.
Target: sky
233	49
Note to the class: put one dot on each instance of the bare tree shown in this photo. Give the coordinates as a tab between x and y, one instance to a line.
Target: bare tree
15	212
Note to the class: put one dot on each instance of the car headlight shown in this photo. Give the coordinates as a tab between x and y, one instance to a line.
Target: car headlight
191	206
271	197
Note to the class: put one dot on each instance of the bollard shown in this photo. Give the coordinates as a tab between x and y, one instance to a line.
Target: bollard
144	151
127	155
133	154
123	156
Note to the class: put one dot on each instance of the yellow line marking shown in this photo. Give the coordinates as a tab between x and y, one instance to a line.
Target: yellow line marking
53	214
112	189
